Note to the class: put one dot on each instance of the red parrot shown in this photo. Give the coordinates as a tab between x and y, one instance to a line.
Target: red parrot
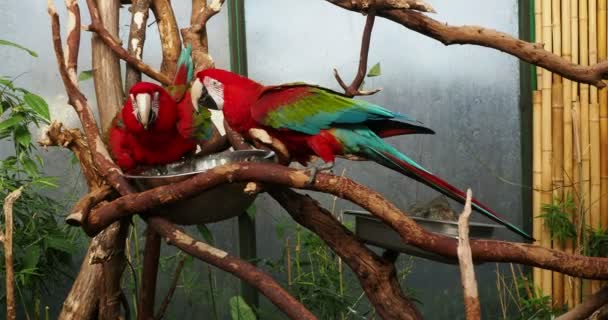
314	121
145	132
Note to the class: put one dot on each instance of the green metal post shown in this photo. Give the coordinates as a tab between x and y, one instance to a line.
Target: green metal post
238	64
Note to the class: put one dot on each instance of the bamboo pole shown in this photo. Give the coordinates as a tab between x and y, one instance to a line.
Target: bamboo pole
574	41
583	14
557	108
578	168
538	30
567	125
536	176
546	142
602	25
594	134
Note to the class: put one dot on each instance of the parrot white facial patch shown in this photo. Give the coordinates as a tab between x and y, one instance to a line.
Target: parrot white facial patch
144	105
216	91
196	91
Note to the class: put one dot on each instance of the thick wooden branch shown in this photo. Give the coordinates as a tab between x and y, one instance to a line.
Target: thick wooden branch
529	52
465	260
354	88
73	139
149	273
171	43
242	269
196	33
410	232
137	37
377	276
367	5
114	44
83	207
588	307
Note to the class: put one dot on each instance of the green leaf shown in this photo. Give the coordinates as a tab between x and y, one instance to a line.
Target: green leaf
59	244
46	182
206	234
85	75
30	166
12	121
31	258
240	310
12	44
375	70
251	211
38	105
23	136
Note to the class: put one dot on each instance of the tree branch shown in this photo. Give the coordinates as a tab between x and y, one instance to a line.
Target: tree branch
147	290
353	89
410	232
196	33
7	237
377	275
165	304
169	34
137	37
465	260
83	207
114	44
242	269
529	52
588	307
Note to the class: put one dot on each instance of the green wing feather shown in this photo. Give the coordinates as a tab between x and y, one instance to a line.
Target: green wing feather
309	109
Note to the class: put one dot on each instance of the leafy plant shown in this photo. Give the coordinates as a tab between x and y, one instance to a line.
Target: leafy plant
240	310
597	243
556	217
42	247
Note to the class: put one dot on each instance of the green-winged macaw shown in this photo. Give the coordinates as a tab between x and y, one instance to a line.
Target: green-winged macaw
314	121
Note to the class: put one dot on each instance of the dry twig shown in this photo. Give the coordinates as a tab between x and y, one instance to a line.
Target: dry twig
165	304
354	88
9	201
465	260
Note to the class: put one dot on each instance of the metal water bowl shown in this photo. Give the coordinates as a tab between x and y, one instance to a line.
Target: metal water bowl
371	230
219	203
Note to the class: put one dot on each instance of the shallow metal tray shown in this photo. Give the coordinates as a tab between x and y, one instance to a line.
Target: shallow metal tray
216	204
373	231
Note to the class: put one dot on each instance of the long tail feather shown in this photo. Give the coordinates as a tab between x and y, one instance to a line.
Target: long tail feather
390	128
422	175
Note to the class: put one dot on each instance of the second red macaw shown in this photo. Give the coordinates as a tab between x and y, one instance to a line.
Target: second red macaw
314	121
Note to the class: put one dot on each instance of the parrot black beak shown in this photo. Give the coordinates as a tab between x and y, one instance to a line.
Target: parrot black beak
200	96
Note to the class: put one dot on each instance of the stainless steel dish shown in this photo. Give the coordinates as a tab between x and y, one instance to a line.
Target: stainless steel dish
373	231
216	204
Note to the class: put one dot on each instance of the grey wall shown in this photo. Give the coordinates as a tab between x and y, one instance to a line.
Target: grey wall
468	95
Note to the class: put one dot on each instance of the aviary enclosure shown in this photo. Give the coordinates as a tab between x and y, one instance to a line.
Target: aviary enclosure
564	112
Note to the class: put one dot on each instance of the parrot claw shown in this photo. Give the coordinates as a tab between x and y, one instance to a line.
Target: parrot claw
312	171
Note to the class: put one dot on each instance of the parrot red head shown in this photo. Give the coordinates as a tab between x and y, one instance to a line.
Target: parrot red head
212	87
149	107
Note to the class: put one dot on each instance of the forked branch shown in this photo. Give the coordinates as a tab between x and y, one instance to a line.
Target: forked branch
529	52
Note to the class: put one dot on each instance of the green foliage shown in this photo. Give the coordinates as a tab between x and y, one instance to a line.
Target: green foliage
12	44
85	75
240	310
42	247
375	70
537	307
557	218
597	243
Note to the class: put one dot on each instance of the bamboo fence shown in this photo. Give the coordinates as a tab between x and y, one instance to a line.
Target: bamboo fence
570	135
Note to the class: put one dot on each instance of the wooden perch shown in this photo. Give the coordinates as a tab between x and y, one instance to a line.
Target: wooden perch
367	5
465	260
137	37
83	207
171	43
448	35
111	41
588	307
242	269
410	232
